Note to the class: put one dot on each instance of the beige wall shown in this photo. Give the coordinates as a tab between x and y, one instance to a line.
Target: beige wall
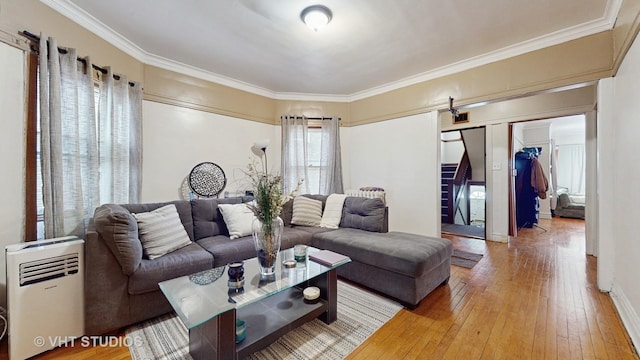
185	91
541	106
582	60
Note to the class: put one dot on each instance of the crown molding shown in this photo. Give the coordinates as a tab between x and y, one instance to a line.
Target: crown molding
171	65
86	20
312	97
89	22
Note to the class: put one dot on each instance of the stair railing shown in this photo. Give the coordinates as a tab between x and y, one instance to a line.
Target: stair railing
463	174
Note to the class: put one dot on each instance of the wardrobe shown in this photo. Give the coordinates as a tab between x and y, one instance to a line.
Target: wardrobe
527	192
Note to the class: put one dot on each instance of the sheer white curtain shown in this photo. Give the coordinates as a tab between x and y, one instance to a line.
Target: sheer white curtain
72	159
571	168
294	153
330	158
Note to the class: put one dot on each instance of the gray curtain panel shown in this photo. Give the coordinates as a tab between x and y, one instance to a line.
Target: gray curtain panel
120	139
86	159
294	153
331	159
67	122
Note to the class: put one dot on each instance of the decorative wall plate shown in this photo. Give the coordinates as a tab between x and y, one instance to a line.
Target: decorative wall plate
207	179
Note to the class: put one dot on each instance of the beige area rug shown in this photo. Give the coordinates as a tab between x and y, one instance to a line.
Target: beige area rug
360	314
465	259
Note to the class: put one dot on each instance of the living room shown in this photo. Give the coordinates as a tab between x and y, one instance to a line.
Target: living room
184	117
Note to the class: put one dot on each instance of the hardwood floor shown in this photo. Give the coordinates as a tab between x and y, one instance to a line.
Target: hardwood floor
535	298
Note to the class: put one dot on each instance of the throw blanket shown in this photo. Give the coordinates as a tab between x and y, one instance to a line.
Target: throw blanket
333	211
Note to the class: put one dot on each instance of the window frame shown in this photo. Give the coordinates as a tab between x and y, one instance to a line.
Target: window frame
31	151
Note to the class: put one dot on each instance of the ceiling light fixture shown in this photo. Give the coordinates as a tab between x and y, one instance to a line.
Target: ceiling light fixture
316	16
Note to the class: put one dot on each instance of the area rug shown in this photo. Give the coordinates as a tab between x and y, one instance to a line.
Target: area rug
360	314
463	230
465	259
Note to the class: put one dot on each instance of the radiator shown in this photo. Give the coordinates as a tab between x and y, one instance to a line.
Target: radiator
368	194
45	294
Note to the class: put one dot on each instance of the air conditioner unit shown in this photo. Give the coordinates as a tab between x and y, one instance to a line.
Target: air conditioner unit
45	294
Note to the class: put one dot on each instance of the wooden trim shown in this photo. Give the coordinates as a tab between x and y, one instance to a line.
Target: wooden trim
31	146
513	228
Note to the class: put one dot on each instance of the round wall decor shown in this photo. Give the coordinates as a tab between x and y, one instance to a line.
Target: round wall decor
207	179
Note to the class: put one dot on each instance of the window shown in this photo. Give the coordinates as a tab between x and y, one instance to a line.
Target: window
311	151
314	156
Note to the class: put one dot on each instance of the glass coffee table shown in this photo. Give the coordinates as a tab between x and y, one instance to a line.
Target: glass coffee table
209	305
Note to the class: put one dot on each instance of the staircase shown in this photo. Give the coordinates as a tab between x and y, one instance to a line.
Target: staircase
448	173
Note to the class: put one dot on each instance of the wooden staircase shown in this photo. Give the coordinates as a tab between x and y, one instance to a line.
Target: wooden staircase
448	174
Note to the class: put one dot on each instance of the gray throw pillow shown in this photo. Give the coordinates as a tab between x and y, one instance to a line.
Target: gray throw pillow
363	213
119	230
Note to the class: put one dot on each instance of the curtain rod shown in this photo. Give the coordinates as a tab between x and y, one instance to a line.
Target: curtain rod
34	37
315	118
322	118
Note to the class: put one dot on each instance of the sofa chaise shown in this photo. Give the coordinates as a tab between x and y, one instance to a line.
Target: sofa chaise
570	206
121	286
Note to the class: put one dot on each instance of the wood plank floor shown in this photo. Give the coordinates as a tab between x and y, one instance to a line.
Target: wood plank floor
535	298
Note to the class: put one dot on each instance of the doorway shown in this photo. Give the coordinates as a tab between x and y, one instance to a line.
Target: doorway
563	156
463	182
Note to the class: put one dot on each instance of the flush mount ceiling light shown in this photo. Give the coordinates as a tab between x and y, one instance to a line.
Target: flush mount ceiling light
316	16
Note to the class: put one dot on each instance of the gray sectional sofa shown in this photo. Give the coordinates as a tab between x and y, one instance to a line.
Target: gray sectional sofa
122	286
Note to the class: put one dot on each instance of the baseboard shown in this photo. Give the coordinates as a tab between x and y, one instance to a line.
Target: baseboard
628	315
498	237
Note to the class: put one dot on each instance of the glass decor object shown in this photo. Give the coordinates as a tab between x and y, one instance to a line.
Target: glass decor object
300	252
266	239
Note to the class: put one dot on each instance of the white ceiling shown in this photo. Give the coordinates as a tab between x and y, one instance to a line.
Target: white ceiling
370	46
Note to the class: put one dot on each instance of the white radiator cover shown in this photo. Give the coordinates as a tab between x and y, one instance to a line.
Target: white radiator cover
45	294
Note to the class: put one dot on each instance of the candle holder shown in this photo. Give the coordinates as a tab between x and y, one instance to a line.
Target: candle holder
236	275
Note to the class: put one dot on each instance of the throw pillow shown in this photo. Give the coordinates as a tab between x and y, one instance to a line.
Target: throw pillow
238	218
306	211
333	211
161	231
364	214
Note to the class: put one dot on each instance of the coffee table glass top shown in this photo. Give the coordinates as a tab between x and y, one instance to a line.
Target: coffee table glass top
199	297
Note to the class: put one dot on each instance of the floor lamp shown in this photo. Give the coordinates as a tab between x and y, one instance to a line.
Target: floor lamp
261	146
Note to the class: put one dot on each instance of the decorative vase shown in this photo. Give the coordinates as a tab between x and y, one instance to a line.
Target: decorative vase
266	239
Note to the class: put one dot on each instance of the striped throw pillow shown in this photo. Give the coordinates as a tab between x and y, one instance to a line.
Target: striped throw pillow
306	211
161	231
